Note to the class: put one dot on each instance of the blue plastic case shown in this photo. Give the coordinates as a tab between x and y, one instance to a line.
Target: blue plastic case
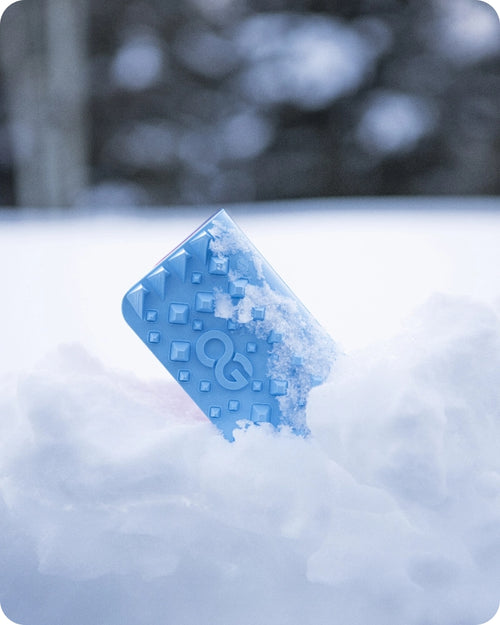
230	331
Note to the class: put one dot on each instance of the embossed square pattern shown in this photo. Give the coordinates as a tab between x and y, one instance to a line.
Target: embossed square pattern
230	331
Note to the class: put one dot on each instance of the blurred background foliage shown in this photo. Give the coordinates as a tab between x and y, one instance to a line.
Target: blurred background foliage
155	102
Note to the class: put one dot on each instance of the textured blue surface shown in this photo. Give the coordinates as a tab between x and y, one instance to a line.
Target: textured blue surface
229	330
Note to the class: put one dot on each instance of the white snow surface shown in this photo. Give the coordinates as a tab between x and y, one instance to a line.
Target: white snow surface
120	503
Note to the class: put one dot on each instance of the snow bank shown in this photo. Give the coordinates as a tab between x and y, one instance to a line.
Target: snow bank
121	504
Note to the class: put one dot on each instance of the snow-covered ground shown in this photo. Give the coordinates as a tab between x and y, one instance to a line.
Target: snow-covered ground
120	503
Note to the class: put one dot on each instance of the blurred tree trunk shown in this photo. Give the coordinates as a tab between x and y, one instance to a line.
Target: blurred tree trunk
44	61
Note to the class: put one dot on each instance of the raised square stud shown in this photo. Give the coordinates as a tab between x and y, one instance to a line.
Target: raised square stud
196	277
274	337
178	313
237	288
259	313
180	351
204	302
261	413
184	375
218	265
151	315
257	385
197	325
233	405
154	337
205	386
214	412
278	387
251	347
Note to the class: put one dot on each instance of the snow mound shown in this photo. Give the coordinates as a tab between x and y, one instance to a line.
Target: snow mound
121	504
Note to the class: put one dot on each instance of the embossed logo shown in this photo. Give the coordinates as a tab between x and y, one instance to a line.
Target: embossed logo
209	356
